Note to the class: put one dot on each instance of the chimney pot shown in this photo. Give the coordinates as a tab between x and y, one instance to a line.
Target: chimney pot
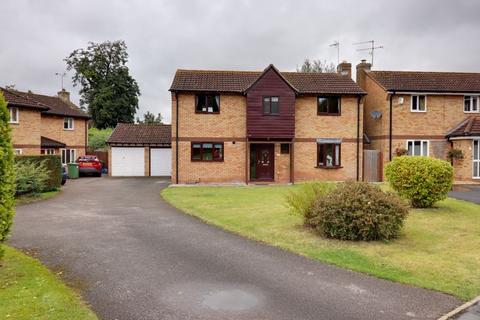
64	95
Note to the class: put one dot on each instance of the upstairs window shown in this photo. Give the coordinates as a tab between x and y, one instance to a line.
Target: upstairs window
328	106
271	105
470	104
417	148
68	123
207	151
419	103
207	103
13	115
328	155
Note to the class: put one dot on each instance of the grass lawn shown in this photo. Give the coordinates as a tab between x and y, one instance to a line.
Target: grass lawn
28	290
438	249
35	197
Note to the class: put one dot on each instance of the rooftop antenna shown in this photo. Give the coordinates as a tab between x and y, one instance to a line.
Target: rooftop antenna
371	49
336	44
61	75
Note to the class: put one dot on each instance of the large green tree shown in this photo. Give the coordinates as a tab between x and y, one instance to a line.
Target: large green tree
7	174
106	85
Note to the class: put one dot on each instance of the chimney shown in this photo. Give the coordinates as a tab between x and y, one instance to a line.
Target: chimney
362	68
64	95
345	69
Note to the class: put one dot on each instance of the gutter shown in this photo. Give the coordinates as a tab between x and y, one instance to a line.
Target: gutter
176	137
358	137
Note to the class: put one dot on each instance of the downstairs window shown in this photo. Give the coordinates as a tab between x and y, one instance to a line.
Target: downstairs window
328	155
207	151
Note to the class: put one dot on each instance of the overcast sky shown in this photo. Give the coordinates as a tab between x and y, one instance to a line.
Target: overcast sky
232	34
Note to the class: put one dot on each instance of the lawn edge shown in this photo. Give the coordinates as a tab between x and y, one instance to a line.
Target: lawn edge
459	298
25	199
75	292
460	309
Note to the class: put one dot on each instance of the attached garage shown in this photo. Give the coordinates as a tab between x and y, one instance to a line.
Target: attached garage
138	150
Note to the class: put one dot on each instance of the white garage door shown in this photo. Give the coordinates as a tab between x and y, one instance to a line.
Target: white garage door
161	162
128	162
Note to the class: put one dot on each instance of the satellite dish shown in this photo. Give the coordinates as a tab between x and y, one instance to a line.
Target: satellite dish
376	114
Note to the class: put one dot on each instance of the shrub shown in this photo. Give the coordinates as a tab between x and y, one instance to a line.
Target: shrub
53	165
301	201
7	174
97	138
31	177
358	211
421	180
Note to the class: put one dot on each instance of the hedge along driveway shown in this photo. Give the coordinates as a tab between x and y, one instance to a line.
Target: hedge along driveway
438	249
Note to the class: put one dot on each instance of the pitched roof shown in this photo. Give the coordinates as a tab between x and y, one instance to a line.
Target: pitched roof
14	98
141	134
420	81
57	106
50	143
468	127
239	81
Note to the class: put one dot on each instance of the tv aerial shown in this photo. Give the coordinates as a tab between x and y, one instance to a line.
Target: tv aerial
371	48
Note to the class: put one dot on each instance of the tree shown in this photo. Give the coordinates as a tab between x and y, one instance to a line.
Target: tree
317	66
97	138
7	174
149	118
106	85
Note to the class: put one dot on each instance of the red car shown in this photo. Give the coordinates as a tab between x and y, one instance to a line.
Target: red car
89	164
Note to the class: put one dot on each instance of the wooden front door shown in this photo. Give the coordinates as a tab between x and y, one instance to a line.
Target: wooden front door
265	156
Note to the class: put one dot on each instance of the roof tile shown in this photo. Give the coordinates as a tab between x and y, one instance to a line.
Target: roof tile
468	127
130	133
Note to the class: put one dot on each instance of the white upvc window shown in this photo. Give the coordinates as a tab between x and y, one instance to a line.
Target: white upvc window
418	103
17	152
14	115
417	147
68	155
48	151
68	123
476	159
470	104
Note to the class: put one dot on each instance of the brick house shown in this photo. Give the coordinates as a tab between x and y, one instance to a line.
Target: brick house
270	126
425	114
46	124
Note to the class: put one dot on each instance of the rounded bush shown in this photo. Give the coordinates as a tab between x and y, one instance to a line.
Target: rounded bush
358	211
421	180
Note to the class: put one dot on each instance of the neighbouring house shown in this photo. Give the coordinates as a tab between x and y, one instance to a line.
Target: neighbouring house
140	150
270	126
47	124
423	114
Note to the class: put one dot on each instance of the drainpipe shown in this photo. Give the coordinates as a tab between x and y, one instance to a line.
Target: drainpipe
176	137
390	128
358	137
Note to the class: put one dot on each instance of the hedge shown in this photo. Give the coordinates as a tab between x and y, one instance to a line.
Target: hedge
54	167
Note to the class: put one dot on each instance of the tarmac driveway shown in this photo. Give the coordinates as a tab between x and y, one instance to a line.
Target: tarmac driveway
466	192
135	257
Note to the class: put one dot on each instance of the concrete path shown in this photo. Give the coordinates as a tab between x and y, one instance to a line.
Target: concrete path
135	257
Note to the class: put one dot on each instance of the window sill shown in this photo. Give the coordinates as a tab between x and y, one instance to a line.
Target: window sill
418	111
329	114
14	122
206	112
214	161
68	129
332	167
471	111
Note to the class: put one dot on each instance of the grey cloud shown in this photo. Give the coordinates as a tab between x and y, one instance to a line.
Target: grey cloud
165	35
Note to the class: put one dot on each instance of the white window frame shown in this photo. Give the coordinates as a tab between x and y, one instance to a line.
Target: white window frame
48	151
70	123
472	98
421	148
63	155
418	99
17	152
476	158
17	114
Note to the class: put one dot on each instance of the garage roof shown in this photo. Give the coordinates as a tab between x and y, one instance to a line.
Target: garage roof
130	134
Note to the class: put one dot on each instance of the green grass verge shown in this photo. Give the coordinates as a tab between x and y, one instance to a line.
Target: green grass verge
24	199
438	249
28	290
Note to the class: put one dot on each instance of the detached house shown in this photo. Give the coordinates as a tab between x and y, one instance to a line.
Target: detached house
46	124
270	126
423	114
